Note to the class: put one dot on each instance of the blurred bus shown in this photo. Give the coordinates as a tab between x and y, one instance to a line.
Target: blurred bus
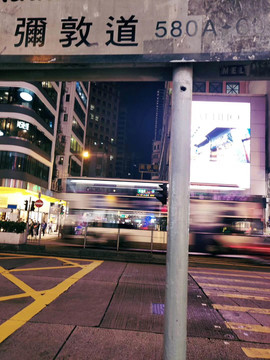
105	211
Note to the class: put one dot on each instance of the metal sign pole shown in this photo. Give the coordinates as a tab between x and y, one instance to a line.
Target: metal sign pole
175	336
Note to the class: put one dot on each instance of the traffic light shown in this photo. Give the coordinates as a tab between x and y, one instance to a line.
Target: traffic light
162	195
25	205
32	206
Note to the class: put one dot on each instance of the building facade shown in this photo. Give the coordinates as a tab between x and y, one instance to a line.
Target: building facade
28	126
101	139
71	132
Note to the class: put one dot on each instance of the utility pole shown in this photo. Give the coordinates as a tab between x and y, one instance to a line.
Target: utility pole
175	336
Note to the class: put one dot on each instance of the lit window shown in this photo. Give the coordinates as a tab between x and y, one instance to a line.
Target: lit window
232	87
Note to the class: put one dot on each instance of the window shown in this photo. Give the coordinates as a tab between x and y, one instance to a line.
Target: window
76	128
199	86
75	147
215	87
232	88
81	93
79	111
24	130
85	84
67	98
65	117
50	91
13	96
24	163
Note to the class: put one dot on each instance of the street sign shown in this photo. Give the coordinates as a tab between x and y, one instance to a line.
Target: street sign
95	31
148	168
39	203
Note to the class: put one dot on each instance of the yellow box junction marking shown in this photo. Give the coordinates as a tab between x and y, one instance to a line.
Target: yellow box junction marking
42	299
242	309
47	268
233	287
16	296
248	327
238	296
26	288
256	353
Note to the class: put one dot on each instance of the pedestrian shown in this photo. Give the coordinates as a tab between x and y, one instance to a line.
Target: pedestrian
49	227
36	228
31	228
43	227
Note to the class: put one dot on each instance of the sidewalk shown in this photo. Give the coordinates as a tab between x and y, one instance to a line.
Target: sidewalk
53	245
115	311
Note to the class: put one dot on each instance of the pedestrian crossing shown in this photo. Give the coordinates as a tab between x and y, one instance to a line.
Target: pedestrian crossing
242	298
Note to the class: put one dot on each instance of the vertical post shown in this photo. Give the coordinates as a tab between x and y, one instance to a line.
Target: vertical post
118	239
175	336
85	236
39	230
152	238
27	221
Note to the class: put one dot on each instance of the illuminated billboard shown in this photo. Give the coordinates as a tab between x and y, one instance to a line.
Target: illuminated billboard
220	144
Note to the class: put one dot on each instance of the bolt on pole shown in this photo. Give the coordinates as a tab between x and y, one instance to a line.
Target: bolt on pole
175	335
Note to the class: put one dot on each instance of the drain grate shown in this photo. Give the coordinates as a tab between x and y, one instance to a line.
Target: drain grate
158	309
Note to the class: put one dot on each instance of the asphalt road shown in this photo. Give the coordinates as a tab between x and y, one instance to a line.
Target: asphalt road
67	308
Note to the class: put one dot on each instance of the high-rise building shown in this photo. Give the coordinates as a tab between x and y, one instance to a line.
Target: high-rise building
28	127
159	113
102	130
156	145
121	163
71	131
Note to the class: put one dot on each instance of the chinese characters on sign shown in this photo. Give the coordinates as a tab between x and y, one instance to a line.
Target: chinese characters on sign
121	32
148	168
76	31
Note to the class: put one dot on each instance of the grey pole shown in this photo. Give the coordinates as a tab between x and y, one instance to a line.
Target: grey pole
175	336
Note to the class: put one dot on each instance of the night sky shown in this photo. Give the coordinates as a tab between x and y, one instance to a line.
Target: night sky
140	100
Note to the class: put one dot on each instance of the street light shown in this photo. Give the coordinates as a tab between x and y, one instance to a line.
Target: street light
85	155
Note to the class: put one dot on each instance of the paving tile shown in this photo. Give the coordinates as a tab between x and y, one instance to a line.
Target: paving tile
35	341
101	344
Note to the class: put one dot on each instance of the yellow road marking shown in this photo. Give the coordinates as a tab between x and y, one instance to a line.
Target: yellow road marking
16	296
233	287
257	353
242	309
31	292
248	327
238	296
9	257
46	268
69	262
16	256
19	319
231	280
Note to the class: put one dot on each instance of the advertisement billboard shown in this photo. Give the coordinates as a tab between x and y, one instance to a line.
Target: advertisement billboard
220	144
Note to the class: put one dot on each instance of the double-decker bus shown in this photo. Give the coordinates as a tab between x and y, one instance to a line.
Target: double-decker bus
126	214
